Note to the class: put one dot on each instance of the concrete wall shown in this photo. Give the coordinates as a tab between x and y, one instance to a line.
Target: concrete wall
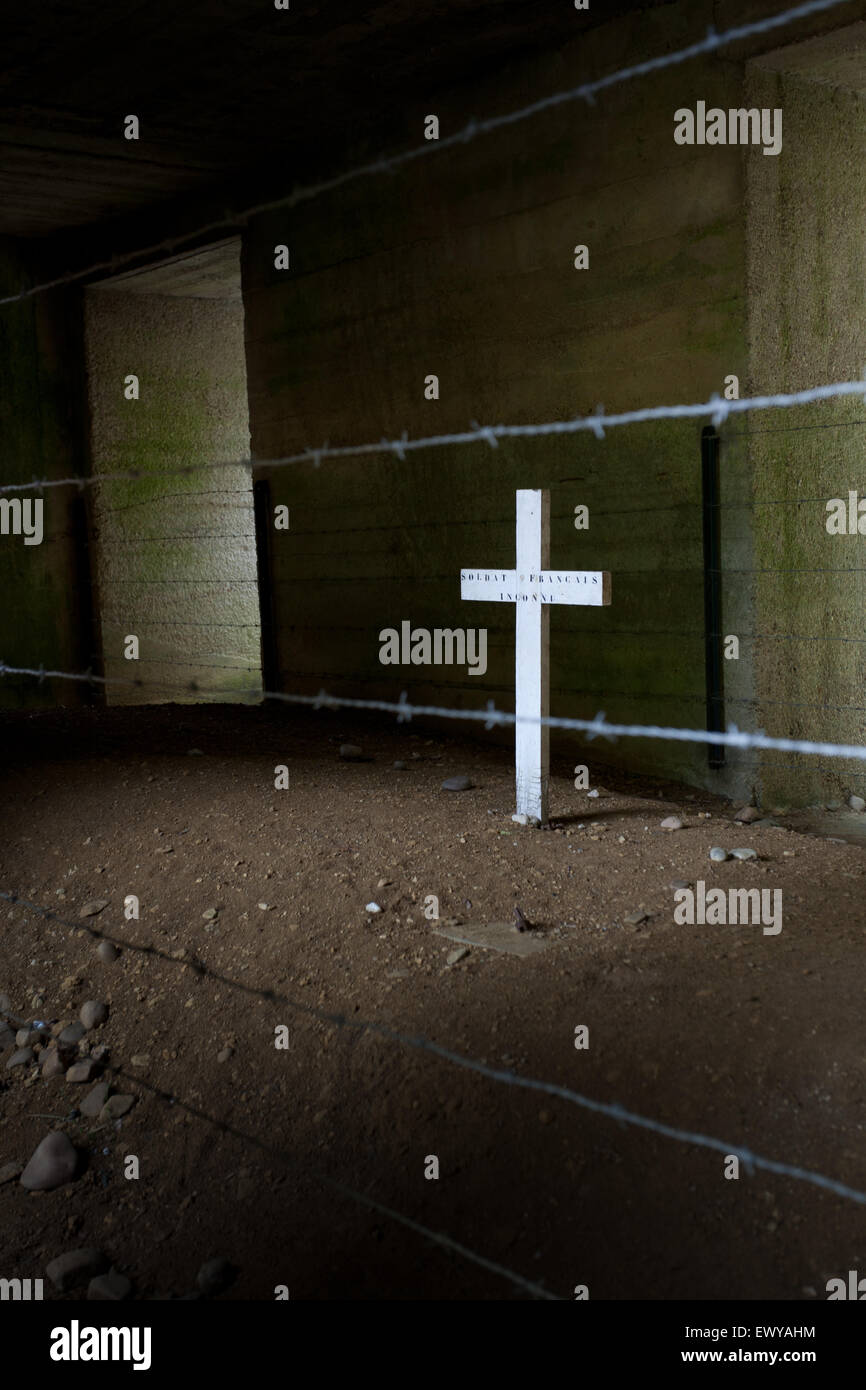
176	552
43	588
807	296
461	264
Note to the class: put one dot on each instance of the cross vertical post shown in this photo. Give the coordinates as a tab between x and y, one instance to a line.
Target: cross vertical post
531	657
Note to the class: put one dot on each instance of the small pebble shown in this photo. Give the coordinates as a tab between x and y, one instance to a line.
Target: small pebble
107	952
52	1064
400	766
215	1276
672	823
111	1287
747	814
744	853
93	1012
52	1163
718	855
457	784
21	1058
116	1106
373	907
209	914
91	909
634	919
454	956
72	1034
81	1071
857	803
74	1268
93	1103
351	753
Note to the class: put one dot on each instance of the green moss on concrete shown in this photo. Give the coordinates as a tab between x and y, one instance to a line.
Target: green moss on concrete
174	548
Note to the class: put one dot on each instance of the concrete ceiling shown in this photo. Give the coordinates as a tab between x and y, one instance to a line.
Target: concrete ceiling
225	88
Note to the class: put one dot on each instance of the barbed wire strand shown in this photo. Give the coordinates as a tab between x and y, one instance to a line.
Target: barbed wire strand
596	423
437	1237
613	1110
493	718
199	663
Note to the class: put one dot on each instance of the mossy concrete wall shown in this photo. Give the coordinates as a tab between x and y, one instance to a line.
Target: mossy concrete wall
176	558
461	264
43	610
807	325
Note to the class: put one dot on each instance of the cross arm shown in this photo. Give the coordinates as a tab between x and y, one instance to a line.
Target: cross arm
584	587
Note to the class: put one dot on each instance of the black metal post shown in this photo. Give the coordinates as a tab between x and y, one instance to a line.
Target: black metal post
712	592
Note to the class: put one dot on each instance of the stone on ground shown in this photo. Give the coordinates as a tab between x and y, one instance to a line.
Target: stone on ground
215	1276
81	1071
634	919
74	1268
92	909
52	1163
93	1013
21	1058
495	936
71	1035
93	1103
52	1064
116	1106
111	1287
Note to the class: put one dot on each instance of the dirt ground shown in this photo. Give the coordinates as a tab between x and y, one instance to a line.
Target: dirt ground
753	1039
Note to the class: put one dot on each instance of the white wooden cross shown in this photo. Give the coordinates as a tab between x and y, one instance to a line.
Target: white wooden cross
532	586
